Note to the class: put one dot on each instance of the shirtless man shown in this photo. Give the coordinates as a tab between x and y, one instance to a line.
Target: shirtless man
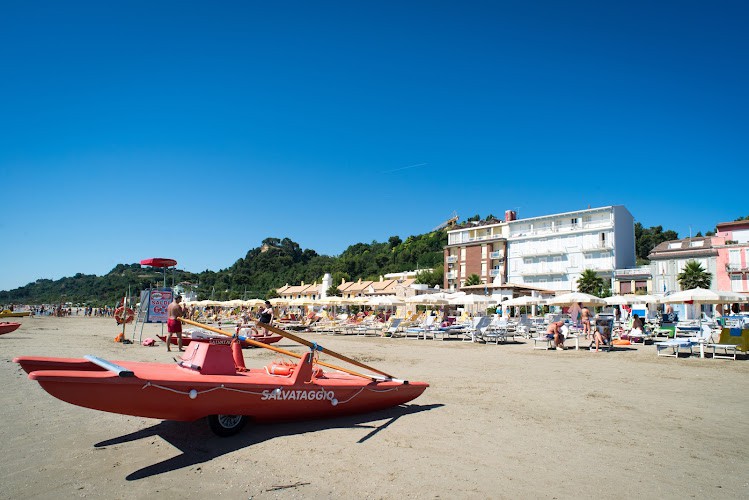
173	324
585	320
554	331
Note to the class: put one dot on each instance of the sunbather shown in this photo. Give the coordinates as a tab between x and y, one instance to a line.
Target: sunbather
602	337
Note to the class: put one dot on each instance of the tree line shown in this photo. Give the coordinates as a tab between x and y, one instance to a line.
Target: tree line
276	262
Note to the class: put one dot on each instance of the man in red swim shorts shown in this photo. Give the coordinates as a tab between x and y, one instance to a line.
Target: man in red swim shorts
173	324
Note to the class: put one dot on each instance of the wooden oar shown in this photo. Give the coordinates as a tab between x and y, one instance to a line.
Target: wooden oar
302	341
276	349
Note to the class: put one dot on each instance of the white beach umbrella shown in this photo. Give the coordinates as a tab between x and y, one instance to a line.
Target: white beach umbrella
427	299
384	300
279	301
472	300
524	300
631	298
704	296
567	299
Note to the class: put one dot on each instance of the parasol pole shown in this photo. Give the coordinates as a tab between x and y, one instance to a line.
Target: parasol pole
275	349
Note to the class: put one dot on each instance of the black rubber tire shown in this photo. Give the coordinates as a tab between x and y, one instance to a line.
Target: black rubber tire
226	425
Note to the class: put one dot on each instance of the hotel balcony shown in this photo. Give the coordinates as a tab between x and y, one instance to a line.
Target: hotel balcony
736	268
495	272
499	254
452	259
543	273
543	252
451	275
562	228
634	272
597	248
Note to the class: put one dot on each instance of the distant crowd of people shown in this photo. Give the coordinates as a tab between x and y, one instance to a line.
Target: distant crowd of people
62	310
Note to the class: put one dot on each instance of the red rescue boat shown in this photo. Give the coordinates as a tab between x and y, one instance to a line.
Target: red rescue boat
207	382
7	327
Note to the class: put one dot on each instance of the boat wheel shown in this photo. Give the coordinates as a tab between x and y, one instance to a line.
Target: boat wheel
226	425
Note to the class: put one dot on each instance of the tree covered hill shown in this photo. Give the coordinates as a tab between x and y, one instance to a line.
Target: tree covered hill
262	270
277	262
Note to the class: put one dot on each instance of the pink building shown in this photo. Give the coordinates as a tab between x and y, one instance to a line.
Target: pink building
732	270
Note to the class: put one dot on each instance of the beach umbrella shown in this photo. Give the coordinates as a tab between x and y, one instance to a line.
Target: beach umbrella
631	298
567	299
704	296
384	300
427	299
279	301
524	300
472	300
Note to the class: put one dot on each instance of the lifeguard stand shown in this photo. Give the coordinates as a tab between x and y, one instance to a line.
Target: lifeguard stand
154	301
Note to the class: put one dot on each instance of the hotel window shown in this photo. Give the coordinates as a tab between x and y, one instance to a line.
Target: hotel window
463	253
484	251
736	283
641	285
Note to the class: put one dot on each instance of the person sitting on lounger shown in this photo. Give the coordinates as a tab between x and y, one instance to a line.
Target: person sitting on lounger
602	336
554	331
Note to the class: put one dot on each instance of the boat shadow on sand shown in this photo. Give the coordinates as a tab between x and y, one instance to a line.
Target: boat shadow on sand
199	445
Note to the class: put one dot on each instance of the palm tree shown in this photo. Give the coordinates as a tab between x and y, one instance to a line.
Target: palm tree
473	279
693	276
590	282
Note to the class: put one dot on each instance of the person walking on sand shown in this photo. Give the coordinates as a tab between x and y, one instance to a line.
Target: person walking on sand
173	324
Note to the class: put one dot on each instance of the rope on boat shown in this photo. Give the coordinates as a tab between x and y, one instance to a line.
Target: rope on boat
193	393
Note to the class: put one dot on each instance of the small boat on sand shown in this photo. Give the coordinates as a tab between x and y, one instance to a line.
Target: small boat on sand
210	380
7	327
7	313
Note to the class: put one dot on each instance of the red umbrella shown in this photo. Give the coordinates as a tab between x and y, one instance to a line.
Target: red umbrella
158	262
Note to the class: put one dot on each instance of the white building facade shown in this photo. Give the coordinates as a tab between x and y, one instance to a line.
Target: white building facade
548	252
553	251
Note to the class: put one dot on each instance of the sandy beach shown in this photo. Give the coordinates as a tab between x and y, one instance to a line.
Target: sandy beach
501	421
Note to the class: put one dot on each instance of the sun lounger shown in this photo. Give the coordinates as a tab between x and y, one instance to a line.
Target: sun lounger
475	332
679	344
424	329
730	341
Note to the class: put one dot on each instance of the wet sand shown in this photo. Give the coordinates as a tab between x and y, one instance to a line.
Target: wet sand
501	421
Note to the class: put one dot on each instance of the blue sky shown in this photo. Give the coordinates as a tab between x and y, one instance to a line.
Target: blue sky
194	130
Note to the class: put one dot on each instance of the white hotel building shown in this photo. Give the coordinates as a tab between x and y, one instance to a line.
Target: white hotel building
548	252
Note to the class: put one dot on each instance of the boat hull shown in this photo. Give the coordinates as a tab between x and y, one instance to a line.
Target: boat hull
189	392
7	327
9	314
